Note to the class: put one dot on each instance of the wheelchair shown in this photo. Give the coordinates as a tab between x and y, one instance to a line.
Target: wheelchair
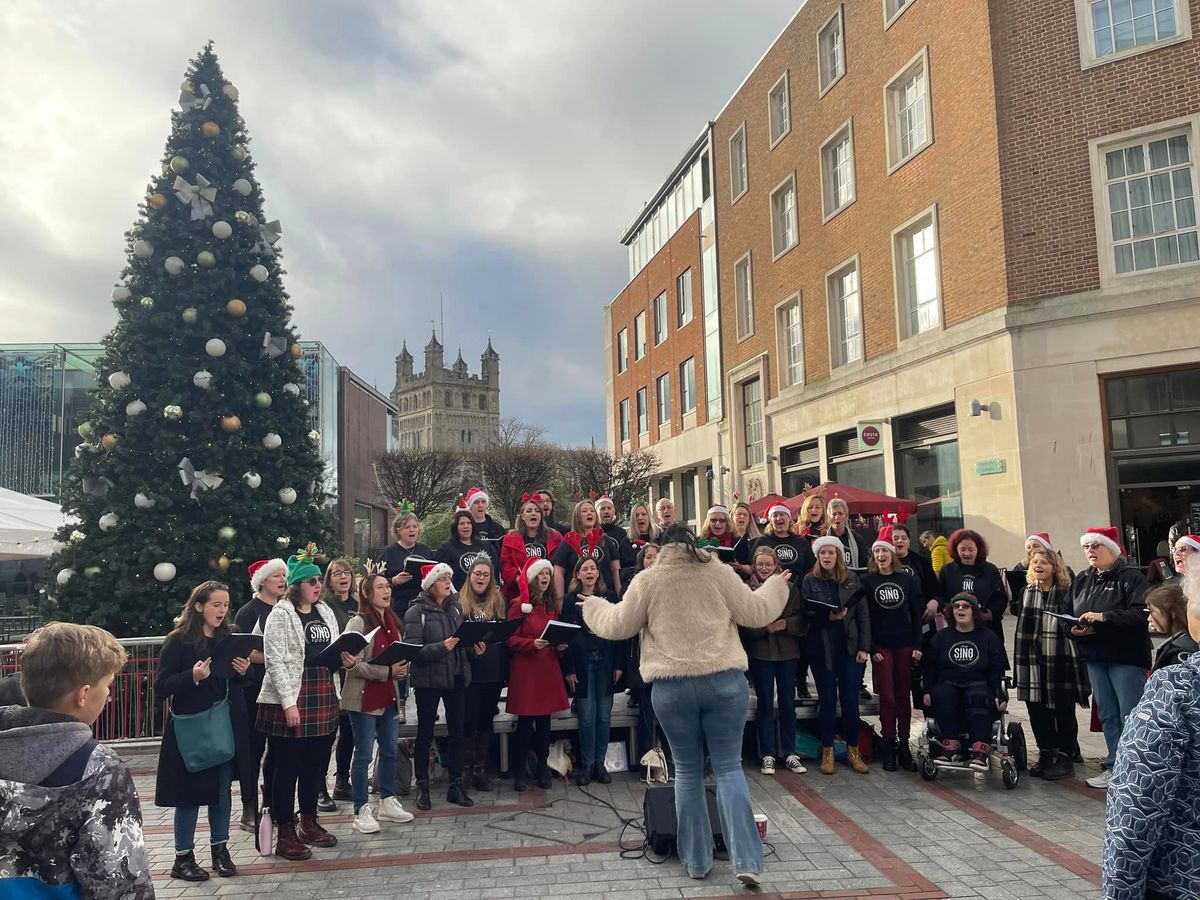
1008	750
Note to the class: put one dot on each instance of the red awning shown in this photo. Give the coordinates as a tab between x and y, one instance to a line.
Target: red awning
759	507
860	501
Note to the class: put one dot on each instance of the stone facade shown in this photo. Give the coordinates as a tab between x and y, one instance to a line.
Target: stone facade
446	408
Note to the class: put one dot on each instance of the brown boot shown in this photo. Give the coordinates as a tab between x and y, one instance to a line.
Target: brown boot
827	765
854	758
249	819
311	832
287	845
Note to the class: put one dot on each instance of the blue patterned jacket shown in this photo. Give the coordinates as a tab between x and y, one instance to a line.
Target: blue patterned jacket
1153	823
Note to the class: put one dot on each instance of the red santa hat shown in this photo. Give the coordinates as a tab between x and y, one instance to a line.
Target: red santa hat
1190	541
778	507
1042	538
534	566
430	574
473	495
1107	536
829	540
605	500
884	540
263	569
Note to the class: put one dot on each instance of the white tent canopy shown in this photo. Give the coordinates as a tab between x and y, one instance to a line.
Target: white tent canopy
27	526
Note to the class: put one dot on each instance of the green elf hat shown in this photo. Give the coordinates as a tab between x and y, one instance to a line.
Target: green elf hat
303	565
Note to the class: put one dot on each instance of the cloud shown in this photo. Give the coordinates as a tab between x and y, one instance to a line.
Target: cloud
488	152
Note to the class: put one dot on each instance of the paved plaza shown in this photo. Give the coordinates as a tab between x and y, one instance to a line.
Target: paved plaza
883	835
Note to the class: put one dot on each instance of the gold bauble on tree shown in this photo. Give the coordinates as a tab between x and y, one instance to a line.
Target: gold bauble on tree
223	562
231	424
236	308
157	201
210	129
297	351
109	441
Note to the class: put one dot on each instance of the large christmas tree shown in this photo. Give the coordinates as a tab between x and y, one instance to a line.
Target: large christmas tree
197	456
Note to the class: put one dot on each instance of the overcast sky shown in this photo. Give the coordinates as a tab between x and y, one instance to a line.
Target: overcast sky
491	152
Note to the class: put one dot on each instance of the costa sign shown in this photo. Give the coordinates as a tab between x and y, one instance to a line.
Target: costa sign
868	434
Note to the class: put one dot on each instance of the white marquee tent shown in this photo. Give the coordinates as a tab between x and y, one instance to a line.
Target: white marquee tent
27	526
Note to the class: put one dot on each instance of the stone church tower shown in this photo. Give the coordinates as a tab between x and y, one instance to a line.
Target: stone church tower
447	408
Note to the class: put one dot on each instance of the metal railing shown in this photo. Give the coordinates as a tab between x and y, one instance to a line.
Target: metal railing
133	712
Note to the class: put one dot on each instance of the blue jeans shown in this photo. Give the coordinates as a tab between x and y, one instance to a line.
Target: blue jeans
595	710
709	709
841	682
368	730
218	815
1118	688
768	677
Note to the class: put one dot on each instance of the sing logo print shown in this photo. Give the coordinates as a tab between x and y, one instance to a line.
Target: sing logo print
785	553
964	654
467	560
318	633
534	551
968	584
889	596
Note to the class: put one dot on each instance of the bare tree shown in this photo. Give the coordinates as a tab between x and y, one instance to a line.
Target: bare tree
521	460
591	471
427	478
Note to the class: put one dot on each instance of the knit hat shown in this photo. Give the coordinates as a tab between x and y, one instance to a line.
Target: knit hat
778	507
884	540
533	567
430	574
1108	536
263	569
475	494
969	598
1042	538
605	500
1191	541
302	565
828	540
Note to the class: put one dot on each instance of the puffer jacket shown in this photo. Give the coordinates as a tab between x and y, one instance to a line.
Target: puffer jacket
1119	593
939	553
427	623
283	647
69	811
1153	821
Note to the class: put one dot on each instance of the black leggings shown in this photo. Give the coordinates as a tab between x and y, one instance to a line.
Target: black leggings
345	750
299	761
480	708
258	745
1054	728
427	707
537	728
954	702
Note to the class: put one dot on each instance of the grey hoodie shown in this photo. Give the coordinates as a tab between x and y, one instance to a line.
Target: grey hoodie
87	832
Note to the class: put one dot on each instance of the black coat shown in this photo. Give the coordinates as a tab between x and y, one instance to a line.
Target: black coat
174	785
575	661
1120	594
921	568
1174	650
393	559
429	624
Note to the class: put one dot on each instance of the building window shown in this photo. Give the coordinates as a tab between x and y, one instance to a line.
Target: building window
918	281
791	342
752	417
908	111
779	111
1153	411
800	466
892	10
837	171
687	386
622	350
624	419
1149	192
683	297
643	412
662	396
364	534
1114	29
482	402
639	335
845	314
449	399
743	295
738	178
687	497
831	51
783	217
660	318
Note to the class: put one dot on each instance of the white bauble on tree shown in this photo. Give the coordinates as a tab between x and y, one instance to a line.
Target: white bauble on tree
243	187
272	441
143	249
109	521
173	412
143	500
119	380
92	571
215	347
252	479
189	316
64	575
287	496
164	571
202	379
230	91
292	388
174	265
120	295
221	229
135	408
226	533
259	273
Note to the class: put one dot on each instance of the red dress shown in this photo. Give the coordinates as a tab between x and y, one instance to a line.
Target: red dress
535	679
515	551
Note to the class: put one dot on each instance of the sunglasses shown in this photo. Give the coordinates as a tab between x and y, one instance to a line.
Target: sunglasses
1092	546
962	606
312	582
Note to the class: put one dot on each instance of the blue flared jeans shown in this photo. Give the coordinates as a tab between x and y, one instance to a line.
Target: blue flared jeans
594	711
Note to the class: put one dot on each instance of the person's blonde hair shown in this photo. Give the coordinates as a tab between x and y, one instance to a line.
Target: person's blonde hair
401	521
839	568
752	529
706	527
491	604
62	657
577	519
652	530
807	506
1059	578
764	551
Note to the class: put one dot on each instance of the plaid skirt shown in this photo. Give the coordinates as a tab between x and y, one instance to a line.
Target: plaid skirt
317	703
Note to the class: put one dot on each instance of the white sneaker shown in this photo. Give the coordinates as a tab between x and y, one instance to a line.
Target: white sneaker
794	765
749	879
364	822
768	765
390	810
1099	782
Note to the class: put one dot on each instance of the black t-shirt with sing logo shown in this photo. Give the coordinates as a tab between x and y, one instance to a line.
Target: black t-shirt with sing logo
966	657
793	554
895	607
317	635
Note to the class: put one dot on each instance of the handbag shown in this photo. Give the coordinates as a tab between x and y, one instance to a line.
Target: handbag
205	739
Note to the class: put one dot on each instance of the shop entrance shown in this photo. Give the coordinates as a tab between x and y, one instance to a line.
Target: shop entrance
1149	509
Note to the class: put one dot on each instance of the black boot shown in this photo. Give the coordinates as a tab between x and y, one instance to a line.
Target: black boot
341	789
905	758
456	793
1045	761
185	868
602	775
480	780
1058	768
423	801
222	864
583	775
325	802
543	778
887	752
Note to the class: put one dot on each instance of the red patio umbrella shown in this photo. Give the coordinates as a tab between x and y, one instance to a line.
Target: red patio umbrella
860	501
759	507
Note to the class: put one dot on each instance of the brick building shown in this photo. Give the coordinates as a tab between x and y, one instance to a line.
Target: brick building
970	225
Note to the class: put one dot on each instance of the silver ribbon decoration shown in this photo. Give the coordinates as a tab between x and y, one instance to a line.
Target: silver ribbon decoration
274	346
96	487
268	235
198	481
200	195
189	100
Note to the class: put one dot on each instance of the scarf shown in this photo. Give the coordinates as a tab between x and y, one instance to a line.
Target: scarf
379	695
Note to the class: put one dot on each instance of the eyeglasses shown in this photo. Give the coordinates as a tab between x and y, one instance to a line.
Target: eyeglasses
962	606
1092	546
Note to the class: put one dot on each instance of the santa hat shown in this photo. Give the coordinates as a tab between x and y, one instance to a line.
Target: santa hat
778	507
1191	541
884	540
263	569
430	574
1107	536
475	494
605	500
717	510
828	540
1042	538
534	566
